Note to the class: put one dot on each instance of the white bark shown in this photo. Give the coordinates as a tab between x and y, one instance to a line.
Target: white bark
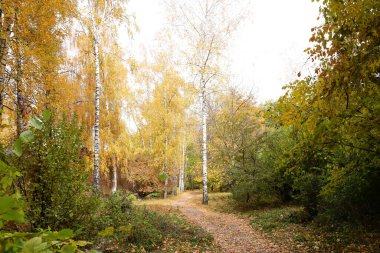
166	186
97	110
204	142
4	34
114	175
166	147
182	170
19	98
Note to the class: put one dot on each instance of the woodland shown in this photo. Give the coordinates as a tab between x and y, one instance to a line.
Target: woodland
101	151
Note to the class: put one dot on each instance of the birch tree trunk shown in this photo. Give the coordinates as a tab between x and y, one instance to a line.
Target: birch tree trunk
204	133
166	186
182	170
19	99
1	106
3	55
165	167
166	146
4	33
114	175
97	111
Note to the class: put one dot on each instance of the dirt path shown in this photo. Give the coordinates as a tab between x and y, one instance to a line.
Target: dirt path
232	233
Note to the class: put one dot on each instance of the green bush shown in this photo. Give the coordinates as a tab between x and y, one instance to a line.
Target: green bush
119	223
309	186
54	178
12	213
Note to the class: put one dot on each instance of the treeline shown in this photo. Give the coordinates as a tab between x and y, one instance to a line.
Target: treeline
79	118
65	57
66	93
318	145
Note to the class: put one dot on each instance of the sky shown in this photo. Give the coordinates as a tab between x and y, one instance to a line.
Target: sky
267	50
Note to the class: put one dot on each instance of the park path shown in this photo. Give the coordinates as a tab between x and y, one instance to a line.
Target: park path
231	233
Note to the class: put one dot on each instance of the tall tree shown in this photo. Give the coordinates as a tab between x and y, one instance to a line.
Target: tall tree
31	54
337	107
206	26
102	17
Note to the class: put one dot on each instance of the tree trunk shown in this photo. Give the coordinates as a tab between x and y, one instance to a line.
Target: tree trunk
166	166
1	107
166	186
114	175
204	131
182	171
97	114
3	47
166	147
3	53
19	99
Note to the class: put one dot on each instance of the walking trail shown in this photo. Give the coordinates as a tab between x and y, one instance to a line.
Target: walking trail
232	233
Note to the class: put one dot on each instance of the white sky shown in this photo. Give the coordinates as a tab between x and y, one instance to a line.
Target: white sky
268	48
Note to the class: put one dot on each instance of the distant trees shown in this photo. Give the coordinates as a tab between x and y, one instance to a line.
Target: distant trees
31	54
161	118
101	22
206	28
320	145
336	109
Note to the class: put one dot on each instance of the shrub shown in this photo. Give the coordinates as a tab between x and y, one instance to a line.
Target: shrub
12	213
54	179
309	186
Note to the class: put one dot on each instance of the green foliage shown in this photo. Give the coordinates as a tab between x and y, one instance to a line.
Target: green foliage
334	164
12	213
265	181
116	208
54	179
193	161
154	195
44	241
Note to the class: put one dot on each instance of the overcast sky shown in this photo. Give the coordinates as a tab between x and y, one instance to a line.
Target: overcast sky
268	48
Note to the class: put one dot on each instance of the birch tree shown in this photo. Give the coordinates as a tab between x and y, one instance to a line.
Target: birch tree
31	55
102	16
206	27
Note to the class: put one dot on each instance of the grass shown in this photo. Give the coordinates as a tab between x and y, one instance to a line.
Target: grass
180	236
157	201
288	227
151	226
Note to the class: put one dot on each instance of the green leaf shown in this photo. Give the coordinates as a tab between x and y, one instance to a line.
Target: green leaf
82	243
6	202
65	234
106	232
17	148
68	249
126	229
31	244
46	115
14	215
27	136
36	123
162	176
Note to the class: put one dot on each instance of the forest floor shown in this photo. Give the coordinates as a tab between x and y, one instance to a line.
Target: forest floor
231	232
264	230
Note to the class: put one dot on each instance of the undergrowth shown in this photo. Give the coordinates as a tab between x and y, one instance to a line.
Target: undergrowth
291	227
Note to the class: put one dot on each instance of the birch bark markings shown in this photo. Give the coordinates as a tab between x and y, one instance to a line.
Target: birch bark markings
181	184
204	144
97	108
114	173
3	55
103	16
205	27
